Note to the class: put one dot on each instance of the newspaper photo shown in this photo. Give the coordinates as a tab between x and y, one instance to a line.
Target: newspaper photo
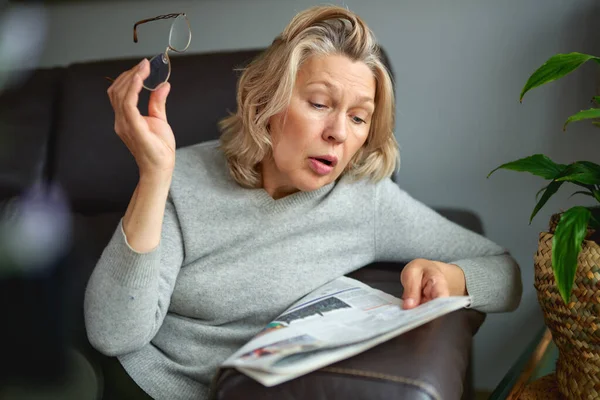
338	320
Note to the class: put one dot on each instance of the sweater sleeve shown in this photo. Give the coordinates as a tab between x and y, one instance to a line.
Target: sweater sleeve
406	229
128	294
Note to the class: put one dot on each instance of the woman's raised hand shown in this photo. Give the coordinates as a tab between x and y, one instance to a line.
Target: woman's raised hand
149	138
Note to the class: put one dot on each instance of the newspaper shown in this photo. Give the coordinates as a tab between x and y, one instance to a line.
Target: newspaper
336	321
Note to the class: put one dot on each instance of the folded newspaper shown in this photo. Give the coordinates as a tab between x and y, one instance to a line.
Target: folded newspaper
336	321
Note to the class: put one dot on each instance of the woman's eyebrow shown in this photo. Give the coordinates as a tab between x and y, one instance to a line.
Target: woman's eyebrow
333	88
328	85
366	99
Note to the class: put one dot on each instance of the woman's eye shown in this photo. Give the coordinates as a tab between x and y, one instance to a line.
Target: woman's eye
318	106
358	120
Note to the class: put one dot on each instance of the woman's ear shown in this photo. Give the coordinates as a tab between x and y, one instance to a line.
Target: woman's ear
270	123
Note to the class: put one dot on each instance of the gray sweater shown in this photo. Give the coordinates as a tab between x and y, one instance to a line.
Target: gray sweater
230	259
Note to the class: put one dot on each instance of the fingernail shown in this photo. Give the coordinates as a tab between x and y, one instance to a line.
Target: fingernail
141	64
409	302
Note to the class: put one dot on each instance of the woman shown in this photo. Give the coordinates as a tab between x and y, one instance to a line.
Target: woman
219	238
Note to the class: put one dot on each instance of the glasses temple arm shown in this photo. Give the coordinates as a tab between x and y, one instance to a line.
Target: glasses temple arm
166	16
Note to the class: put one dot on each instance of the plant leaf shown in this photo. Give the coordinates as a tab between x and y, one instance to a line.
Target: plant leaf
537	164
581	115
566	245
581	172
537	195
595	217
554	68
550	190
582	192
594	222
596	99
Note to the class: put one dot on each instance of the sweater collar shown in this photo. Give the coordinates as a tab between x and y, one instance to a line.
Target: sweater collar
265	202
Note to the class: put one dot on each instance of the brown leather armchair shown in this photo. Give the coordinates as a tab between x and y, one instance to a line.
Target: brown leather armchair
59	128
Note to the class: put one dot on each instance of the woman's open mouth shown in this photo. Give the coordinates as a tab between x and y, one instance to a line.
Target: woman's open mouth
321	166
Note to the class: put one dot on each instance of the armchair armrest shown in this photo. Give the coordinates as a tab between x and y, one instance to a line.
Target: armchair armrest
429	362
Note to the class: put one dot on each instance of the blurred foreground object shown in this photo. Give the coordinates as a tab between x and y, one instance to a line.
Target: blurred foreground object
35	245
23	29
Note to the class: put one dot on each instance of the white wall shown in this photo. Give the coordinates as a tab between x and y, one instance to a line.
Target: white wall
460	66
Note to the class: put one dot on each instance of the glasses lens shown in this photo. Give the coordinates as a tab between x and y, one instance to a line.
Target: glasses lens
160	68
180	36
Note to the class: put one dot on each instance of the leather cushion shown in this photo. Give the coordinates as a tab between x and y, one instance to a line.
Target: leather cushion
92	164
429	362
26	120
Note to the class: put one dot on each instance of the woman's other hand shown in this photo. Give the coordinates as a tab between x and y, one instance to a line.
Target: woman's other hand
424	280
149	138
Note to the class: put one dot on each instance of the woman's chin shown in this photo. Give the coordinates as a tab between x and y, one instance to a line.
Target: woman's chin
314	183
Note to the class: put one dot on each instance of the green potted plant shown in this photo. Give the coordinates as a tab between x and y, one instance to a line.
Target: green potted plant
567	262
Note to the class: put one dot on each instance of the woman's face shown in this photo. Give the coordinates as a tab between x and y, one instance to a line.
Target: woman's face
326	123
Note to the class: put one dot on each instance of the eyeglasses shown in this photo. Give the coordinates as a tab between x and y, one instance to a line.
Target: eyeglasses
180	37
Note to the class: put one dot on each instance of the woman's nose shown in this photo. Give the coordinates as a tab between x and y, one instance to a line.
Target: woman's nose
336	129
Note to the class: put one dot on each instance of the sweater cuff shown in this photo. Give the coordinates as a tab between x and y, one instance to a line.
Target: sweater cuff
127	266
477	281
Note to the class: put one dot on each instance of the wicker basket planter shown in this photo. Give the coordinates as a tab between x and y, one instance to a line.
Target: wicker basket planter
575	326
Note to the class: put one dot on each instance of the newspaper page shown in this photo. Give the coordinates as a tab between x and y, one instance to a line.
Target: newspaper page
340	319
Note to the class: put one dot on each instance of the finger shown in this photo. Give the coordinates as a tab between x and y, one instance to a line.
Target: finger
118	87
143	68
428	289
130	110
411	279
440	289
157	104
122	88
122	81
115	88
115	94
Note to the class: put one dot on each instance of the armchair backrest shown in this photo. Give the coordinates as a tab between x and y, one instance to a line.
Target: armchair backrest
59	125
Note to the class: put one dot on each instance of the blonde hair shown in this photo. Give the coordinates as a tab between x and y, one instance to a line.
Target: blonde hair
266	85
